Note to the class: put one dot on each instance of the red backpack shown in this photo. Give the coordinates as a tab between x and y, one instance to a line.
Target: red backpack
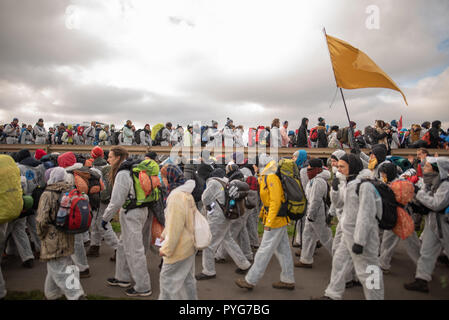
74	215
252	183
313	134
426	138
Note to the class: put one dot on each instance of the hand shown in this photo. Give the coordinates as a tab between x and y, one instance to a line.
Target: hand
103	224
335	184
357	249
161	254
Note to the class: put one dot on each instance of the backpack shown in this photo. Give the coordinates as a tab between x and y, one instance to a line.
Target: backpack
146	192
252	199
137	136
295	198
115	138
11	200
314	134
389	204
233	208
155	132
400	162
426	138
204	137
105	194
89	181
199	187
36	195
202	234
74	214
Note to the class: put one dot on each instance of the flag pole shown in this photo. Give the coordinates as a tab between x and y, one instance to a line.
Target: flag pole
355	145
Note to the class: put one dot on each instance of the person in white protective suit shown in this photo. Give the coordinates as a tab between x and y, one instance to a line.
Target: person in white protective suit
435	197
390	240
316	227
213	196
57	247
131	262
360	241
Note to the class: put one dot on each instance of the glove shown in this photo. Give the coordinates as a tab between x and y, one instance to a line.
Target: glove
328	219
233	192
335	184
103	224
357	249
208	208
211	138
416	189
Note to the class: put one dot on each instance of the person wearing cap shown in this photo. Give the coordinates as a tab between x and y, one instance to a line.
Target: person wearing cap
389	174
12	130
67	161
315	228
213	135
213	199
359	246
435	237
177	276
40	132
188	136
57	246
275	238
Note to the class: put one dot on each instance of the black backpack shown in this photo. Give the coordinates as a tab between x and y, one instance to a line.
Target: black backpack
389	204
137	136
114	138
199	187
36	195
158	139
238	209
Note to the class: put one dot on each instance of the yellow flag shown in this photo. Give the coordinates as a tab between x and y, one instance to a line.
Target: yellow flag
353	69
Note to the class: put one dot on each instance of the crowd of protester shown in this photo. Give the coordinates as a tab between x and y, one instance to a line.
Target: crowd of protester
319	135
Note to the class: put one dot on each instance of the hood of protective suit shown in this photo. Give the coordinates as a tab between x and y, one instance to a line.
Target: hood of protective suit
270	168
246	172
325	174
76	166
187	187
338	154
443	165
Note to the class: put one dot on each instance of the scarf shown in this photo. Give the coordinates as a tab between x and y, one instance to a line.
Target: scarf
312	172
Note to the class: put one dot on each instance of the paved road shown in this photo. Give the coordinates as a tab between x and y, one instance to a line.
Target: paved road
309	282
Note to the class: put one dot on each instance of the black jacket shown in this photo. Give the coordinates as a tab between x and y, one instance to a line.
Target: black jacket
301	141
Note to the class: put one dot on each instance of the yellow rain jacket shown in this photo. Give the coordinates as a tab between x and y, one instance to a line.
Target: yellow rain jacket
272	195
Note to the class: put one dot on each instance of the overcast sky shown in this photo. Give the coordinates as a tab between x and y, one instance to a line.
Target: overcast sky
250	60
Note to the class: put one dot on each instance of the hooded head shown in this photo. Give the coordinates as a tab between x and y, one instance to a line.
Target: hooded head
440	164
97	152
218	173
57	174
301	158
23	154
426	124
394	123
204	171
354	163
315	167
39	154
390	170
380	152
337	154
304	122
436	124
67	159
264	160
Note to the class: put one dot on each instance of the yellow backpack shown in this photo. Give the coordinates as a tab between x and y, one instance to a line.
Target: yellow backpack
11	201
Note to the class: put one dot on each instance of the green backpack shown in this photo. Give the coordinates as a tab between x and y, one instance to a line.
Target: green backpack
295	197
152	169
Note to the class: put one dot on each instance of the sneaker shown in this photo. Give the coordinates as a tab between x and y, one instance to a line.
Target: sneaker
443	259
85	273
283	285
241	271
318	244
94	251
133	293
418	285
117	283
28	264
243	284
299	264
202	276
